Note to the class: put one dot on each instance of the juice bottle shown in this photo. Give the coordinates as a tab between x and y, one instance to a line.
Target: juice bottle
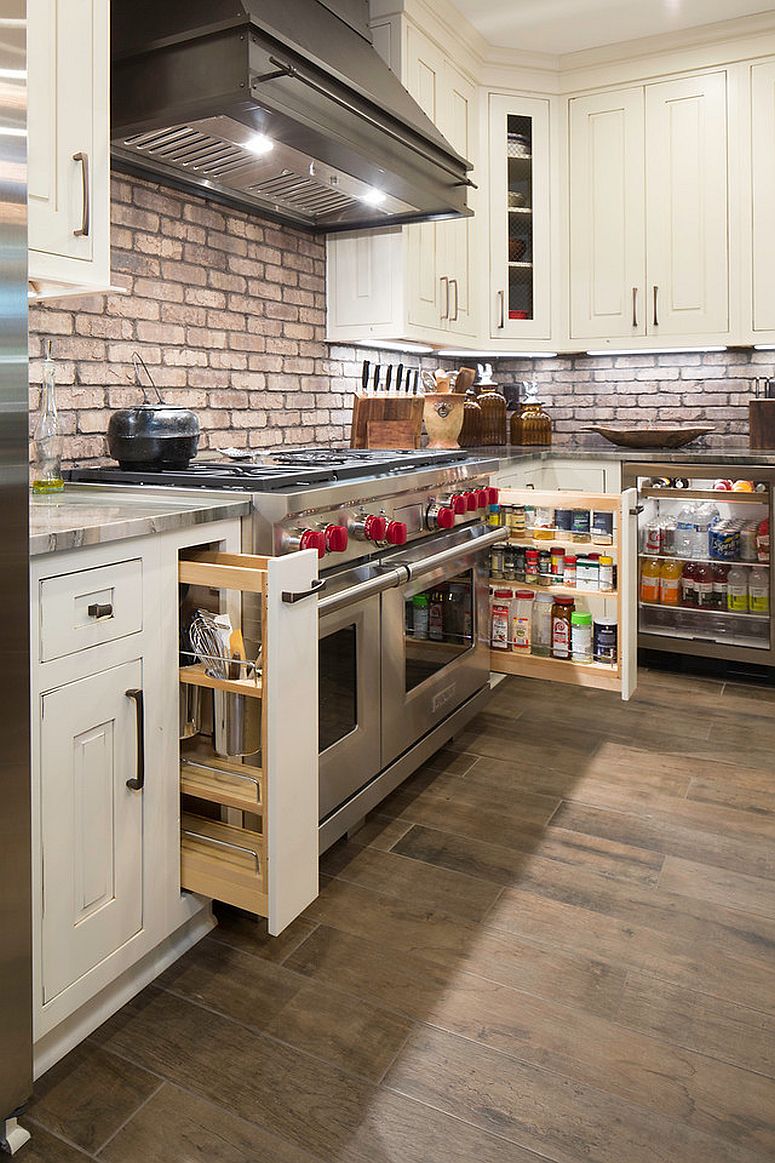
704	585
670	583
737	590
649	580
759	591
720	575
689	585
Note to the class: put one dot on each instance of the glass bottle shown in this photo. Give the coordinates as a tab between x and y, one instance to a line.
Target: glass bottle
47	438
492	405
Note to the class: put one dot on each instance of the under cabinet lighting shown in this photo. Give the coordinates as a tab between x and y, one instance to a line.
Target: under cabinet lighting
497	354
764	347
373	197
384	345
656	350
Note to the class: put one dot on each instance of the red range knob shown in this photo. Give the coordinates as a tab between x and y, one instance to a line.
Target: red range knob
375	528
482	498
313	539
396	532
459	503
445	517
470	501
336	538
492	495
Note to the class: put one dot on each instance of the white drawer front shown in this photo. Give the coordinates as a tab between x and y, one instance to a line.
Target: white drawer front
90	608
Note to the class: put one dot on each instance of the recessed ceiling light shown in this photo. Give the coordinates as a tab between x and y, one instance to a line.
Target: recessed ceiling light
259	144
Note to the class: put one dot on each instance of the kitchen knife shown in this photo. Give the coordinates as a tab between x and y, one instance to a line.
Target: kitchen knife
365	376
400	377
377	370
389	377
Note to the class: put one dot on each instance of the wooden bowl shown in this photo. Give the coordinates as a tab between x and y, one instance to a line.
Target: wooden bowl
656	436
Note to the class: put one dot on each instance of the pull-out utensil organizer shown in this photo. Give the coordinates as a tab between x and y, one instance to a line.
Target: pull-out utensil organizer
262	853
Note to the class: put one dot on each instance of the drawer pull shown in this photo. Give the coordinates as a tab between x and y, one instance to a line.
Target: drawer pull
83	229
223	844
100	610
138	783
318	585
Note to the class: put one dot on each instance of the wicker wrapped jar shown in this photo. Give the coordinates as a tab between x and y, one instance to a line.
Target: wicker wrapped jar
492	404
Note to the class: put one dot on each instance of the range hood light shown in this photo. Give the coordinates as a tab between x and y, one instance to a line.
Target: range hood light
259	144
373	197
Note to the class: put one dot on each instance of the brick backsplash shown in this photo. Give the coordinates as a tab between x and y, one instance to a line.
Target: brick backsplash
228	311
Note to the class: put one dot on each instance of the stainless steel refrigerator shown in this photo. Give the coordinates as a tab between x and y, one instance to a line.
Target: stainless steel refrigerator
15	892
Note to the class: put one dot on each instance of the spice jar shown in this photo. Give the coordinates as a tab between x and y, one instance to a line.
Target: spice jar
531	566
606	574
605	644
542	625
492	405
545	567
569	575
522	621
581	636
581	525
497	561
562	610
500	620
558	564
602	528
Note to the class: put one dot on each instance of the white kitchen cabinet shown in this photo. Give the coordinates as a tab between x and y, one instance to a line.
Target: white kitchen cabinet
763	185
519	222
92	819
649	219
687	245
68	47
607	215
415	282
557	472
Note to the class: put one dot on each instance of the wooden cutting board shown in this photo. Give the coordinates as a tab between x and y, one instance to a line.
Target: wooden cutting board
761	421
381	421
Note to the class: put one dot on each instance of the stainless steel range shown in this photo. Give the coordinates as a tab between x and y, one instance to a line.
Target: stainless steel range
403	540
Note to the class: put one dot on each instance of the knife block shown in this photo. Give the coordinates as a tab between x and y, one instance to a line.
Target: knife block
761	423
386	422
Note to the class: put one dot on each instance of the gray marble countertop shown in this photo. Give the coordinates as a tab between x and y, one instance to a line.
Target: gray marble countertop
700	453
93	514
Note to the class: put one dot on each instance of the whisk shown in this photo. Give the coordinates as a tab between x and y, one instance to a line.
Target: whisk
209	635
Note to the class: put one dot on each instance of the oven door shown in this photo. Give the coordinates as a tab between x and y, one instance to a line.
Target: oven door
435	636
349	703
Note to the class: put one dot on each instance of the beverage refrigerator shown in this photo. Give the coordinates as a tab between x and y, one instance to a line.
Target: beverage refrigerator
704	578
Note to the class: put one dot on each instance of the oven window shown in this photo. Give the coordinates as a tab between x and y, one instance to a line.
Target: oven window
338	700
438	627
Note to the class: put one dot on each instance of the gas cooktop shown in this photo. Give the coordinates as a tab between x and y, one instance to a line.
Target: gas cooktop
273	471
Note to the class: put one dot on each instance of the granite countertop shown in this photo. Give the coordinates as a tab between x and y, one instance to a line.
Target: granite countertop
93	514
701	452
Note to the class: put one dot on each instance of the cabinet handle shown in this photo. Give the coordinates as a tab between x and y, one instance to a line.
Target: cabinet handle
100	610
501	310
83	230
291	598
635	306
445	292
656	306
457	300
198	836
138	782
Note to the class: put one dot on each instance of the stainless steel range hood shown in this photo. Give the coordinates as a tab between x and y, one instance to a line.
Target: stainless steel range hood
279	106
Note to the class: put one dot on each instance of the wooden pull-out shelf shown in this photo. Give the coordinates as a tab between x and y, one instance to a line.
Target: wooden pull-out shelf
224	863
197	676
234	785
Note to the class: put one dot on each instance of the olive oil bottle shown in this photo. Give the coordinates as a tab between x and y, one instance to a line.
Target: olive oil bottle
47	438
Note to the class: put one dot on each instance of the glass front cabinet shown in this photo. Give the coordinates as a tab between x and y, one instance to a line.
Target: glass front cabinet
519	275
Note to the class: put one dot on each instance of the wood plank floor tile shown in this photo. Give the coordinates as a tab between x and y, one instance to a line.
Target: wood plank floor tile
88	1095
178	1127
685	1017
528	809
250	934
506	866
719	886
544	1111
381	831
425	885
661	834
44	1147
353	1035
322	1110
724	790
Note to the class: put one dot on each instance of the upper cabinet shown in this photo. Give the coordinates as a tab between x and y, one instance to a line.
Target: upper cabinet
520	303
413	283
763	177
649	220
69	146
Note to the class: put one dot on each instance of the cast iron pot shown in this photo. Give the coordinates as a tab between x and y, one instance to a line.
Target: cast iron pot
153	436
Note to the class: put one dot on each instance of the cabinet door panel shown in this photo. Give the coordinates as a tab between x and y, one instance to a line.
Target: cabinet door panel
428	282
763	156
457	125
92	825
607	215
686	206
61	123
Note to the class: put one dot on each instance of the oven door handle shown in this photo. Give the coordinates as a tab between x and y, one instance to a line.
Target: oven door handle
389	580
445	556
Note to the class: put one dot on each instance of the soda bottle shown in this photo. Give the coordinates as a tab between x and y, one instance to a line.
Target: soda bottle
689	585
670	583
649	580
